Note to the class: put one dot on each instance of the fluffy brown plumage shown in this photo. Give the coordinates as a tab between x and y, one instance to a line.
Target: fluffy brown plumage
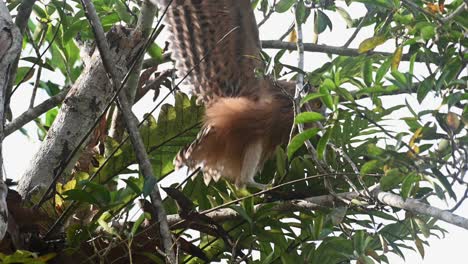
216	43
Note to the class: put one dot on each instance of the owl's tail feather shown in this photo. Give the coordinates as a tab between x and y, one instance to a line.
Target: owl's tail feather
239	134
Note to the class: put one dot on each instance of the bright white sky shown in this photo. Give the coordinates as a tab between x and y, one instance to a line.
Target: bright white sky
19	149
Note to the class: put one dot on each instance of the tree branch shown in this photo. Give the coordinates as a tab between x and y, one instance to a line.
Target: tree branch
327	201
33	113
458	11
145	22
277	44
132	126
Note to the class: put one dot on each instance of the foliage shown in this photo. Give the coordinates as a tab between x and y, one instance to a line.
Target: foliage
422	159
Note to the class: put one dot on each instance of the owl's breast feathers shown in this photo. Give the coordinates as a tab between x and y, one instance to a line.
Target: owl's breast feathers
240	133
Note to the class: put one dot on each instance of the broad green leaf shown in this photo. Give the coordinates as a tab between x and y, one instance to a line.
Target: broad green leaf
367	71
137	224
300	12
23	74
308	117
80	196
322	144
408	184
371	43
176	127
391	179
323	22
428	32
422	226
397	58
325	89
284	5
310	97
299	139
443	179
419	245
346	16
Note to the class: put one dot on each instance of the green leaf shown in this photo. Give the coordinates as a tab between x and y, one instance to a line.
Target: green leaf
80	196
408	184
323	22
155	52
310	97
280	161
391	179
325	88
148	186
132	185
242	213
443	179
346	16
137	224
176	127
301	12
428	32
371	43
371	167
424	88
322	144
419	246
284	5
367	72
307	117
383	69
23	74
299	139
50	117
337	215
422	226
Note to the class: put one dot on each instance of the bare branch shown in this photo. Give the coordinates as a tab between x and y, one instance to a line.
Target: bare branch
132	126
35	112
327	201
277	44
358	28
268	15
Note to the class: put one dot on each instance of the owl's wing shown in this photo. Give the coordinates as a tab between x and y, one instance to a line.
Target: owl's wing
216	44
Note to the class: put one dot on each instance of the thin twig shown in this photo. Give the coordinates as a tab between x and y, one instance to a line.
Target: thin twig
39	71
412	5
132	126
268	15
458	11
358	28
290	29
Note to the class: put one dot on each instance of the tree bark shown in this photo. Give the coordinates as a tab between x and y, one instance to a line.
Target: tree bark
84	103
10	47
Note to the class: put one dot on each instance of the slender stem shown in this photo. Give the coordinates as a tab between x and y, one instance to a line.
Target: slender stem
132	126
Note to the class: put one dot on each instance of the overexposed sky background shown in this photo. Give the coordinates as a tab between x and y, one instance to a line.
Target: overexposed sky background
18	149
